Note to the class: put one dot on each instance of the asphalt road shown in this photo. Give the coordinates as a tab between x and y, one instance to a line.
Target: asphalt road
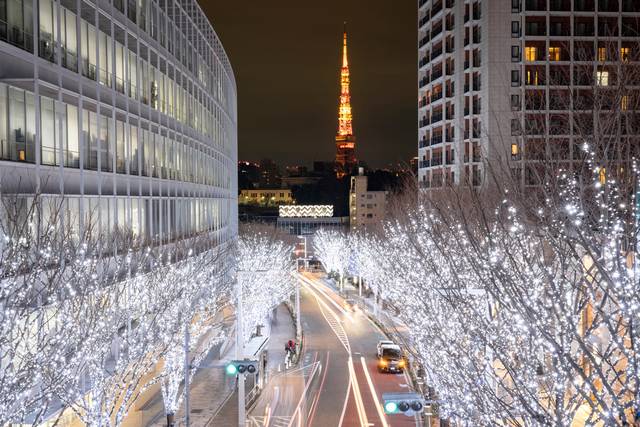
337	382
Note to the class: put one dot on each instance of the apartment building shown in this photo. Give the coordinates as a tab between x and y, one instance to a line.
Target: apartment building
366	208
507	78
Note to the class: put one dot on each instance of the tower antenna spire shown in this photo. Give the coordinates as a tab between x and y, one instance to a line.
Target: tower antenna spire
345	140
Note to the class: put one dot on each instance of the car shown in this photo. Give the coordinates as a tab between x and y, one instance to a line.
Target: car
350	305
381	344
391	359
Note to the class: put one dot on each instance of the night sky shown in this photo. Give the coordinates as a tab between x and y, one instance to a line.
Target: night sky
286	55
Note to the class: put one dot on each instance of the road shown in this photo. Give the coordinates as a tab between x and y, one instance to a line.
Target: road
337	382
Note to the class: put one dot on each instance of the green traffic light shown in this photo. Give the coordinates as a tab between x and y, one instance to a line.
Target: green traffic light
391	407
231	369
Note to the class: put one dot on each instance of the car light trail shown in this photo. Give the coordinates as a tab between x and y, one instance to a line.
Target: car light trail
383	418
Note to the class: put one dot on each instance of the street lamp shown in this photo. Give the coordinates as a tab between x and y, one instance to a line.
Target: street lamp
298	323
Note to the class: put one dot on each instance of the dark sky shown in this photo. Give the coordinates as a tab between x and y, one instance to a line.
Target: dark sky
286	58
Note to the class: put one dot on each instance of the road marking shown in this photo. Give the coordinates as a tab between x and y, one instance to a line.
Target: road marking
332	321
383	418
362	413
312	410
304	393
344	407
310	283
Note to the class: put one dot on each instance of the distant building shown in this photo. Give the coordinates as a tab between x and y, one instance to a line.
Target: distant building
366	208
296	170
345	140
292	181
305	211
323	168
269	174
266	197
306	219
248	175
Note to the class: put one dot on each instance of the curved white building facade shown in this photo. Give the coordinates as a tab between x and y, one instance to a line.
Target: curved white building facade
127	108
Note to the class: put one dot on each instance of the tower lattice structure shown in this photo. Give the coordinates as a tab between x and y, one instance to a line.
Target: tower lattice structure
345	140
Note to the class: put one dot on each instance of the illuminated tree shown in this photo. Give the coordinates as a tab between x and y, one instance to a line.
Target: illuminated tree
331	247
521	297
265	267
86	319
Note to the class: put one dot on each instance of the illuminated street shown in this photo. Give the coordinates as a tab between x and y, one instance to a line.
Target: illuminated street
337	382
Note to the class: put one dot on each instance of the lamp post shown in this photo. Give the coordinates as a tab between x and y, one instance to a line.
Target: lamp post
240	353
298	323
240	344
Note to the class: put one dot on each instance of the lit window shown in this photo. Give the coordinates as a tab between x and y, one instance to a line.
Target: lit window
530	53
602	176
602	54
624	102
554	53
532	77
602	78
624	53
515	150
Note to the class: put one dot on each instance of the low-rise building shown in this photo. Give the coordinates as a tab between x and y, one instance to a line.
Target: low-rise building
366	208
266	197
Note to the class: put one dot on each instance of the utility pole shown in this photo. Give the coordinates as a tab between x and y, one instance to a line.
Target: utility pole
298	325
240	354
306	266
187	366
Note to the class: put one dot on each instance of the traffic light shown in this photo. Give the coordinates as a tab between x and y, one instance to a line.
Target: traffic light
247	366
402	403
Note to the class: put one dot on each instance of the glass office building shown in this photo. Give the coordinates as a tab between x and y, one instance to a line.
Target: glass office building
125	108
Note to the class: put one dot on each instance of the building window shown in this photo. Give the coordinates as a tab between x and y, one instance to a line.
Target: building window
624	102
48	132
515	102
515	78
554	53
602	54
530	53
515	6
515	150
515	53
602	78
515	28
515	127
46	45
532	77
624	53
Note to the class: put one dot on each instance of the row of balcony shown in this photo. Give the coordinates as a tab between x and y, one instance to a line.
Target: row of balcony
437	160
579	5
630	28
426	121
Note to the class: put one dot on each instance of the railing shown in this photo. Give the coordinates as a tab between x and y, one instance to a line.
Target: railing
16	36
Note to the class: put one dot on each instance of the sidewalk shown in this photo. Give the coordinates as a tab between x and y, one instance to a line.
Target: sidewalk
280	331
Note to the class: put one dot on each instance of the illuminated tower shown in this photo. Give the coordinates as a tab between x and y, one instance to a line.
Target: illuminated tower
345	141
